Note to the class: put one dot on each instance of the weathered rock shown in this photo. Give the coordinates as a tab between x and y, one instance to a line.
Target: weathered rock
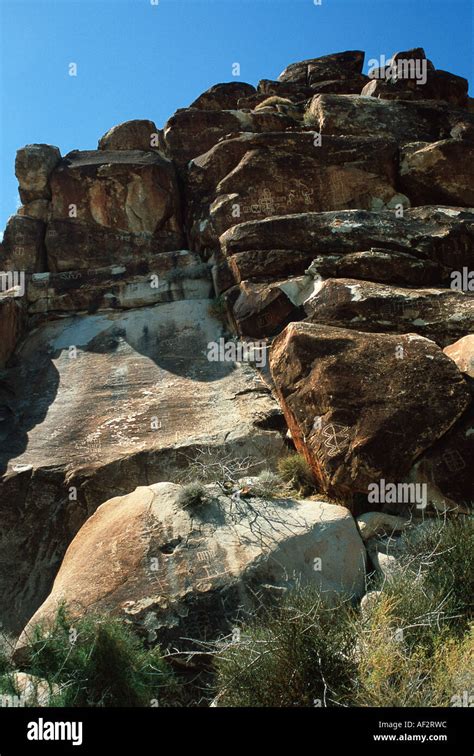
439	172
223	96
314	70
373	524
104	403
73	246
33	166
259	310
125	190
261	175
363	407
439	85
442	234
39	209
403	121
12	322
130	135
380	265
33	690
177	574
192	132
438	314
446	468
462	352
169	277
384	555
23	245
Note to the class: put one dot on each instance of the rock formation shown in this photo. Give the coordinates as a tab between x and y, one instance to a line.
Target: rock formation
327	215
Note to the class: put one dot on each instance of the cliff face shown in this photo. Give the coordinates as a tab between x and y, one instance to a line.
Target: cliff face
331	215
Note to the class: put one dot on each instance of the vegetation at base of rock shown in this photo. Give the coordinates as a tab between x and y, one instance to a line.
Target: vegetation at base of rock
97	662
266	484
298	653
218	309
193	496
412	646
295	470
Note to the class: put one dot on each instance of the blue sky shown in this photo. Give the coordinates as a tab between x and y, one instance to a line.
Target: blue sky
136	59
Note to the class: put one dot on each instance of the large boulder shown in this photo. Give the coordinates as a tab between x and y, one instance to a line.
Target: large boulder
179	574
131	135
362	407
33	167
107	402
438	172
409	75
23	245
127	190
223	96
258	175
402	120
343	65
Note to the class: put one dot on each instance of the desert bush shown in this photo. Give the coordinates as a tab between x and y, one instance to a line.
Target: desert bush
266	484
295	470
412	646
193	496
298	655
98	661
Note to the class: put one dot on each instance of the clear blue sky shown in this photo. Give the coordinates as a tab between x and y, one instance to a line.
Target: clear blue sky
139	60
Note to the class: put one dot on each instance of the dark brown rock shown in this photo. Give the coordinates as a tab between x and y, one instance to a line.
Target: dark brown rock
131	135
23	244
441	234
223	96
356	410
403	121
446	468
78	246
260	175
192	132
314	70
382	266
440	172
125	190
33	166
438	314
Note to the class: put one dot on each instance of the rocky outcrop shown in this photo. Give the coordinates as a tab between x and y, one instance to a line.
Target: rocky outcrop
329	203
178	574
256	176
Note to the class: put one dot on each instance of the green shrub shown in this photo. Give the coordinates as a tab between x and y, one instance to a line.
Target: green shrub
193	496
299	655
443	551
266	484
295	470
98	661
